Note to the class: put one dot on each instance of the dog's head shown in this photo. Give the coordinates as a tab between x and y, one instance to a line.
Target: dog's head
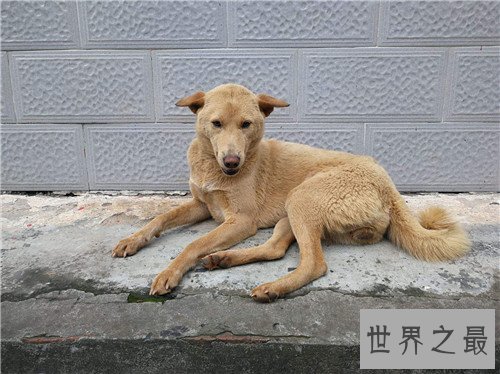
231	117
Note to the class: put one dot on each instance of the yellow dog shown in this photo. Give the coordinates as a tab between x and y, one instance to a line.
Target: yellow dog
246	182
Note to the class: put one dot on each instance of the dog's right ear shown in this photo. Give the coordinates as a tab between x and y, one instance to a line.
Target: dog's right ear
194	102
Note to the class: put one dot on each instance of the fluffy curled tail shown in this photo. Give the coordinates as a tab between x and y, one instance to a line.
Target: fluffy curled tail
433	237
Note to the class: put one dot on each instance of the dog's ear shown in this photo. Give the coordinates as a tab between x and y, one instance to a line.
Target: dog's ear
268	103
194	102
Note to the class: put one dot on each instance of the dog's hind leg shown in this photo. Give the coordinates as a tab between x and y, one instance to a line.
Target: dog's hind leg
343	202
273	249
312	266
307	229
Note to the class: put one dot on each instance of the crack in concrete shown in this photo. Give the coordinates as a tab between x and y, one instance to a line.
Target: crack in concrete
144	297
47	339
228	336
399	293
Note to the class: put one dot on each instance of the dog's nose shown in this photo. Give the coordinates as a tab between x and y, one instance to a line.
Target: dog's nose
231	162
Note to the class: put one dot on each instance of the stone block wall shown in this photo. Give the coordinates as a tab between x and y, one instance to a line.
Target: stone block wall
88	87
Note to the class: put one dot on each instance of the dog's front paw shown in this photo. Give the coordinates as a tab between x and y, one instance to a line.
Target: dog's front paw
265	293
216	261
128	246
165	282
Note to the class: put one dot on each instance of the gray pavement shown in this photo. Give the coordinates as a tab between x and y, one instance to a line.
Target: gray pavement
68	306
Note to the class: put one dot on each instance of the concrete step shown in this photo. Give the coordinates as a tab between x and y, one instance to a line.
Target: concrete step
68	306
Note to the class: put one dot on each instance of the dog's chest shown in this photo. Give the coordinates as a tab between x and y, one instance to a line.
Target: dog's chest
207	193
202	187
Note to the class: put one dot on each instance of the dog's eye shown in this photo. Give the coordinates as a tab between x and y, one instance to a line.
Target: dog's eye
245	125
217	124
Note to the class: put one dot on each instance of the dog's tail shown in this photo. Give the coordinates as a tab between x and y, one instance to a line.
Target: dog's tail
433	237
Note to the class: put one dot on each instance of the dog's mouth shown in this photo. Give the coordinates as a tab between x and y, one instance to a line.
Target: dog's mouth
230	171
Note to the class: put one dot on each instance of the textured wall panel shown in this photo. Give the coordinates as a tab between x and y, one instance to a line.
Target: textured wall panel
142	157
183	73
438	157
474	85
39	25
371	84
440	23
301	23
143	24
87	86
42	157
338	137
7	108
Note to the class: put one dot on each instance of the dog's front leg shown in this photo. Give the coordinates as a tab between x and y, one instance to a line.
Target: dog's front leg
232	231
190	212
273	249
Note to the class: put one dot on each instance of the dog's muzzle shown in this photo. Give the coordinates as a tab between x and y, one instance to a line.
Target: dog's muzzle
231	163
230	171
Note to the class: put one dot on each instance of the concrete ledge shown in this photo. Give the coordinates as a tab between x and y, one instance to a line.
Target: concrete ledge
72	331
67	306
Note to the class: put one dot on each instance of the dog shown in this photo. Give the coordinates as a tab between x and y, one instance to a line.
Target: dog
246	182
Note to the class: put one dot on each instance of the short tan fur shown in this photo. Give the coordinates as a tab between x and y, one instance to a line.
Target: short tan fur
246	182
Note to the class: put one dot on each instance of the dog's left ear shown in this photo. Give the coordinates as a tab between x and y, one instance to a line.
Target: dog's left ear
268	103
194	102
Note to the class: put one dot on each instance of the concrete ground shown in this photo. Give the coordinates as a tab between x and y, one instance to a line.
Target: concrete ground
68	306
